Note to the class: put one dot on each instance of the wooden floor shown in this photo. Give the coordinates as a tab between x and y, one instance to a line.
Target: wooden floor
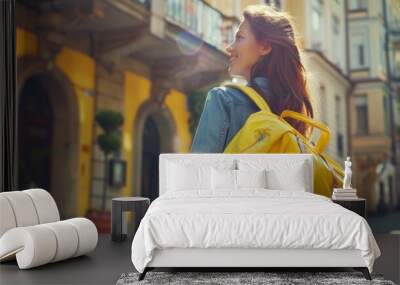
106	264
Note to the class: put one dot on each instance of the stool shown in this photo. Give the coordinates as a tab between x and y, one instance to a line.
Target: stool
120	205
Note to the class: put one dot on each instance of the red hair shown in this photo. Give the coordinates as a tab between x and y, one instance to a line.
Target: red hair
282	65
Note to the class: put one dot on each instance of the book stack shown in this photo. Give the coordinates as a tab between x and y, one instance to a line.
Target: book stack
344	194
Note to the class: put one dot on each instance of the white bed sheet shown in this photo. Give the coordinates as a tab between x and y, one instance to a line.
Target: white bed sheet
251	218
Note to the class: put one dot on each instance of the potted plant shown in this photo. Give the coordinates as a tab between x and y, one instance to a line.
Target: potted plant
109	142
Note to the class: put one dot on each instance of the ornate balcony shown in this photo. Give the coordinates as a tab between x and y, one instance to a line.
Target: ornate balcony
183	42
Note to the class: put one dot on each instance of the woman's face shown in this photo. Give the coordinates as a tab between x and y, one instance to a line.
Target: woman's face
245	51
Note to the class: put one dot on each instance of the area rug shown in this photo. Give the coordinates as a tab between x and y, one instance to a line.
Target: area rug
229	278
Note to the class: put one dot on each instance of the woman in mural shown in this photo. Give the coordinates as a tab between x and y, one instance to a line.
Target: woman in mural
264	53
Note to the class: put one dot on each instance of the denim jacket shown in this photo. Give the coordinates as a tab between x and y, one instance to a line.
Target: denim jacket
224	113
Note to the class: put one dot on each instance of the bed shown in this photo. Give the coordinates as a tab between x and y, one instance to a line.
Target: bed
247	210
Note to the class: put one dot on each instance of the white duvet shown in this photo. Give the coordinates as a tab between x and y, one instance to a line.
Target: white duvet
252	218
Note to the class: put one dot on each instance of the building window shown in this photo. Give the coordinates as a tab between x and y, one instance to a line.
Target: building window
335	25
361	57
316	19
340	145
396	61
358	50
336	39
358	4
362	114
386	109
338	115
317	24
274	3
382	53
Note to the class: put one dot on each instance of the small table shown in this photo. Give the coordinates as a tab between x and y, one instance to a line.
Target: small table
120	205
357	205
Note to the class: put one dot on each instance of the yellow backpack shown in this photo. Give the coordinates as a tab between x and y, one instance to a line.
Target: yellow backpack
266	132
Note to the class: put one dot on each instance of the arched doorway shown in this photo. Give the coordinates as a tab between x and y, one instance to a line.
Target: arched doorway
48	121
154	133
150	152
35	131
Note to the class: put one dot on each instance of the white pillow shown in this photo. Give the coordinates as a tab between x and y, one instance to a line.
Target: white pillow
251	178
223	179
229	179
282	174
186	174
188	177
292	179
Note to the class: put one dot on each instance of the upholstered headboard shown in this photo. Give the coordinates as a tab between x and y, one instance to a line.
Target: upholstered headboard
207	158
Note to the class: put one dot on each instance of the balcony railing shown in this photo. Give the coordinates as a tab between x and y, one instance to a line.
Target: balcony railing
202	20
145	3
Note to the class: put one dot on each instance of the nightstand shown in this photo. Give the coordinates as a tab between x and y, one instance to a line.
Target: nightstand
120	205
357	205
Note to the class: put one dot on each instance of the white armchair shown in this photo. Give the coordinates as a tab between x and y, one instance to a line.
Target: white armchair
31	230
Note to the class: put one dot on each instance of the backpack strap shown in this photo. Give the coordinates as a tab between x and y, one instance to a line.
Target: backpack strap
252	94
323	140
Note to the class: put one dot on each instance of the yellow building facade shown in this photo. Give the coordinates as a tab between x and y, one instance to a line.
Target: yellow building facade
73	192
119	56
